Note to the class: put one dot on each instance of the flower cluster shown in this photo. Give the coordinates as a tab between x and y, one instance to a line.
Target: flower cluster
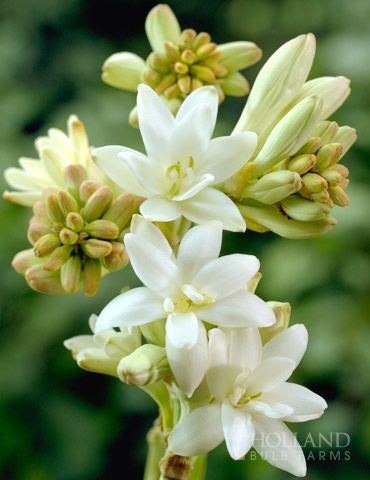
213	355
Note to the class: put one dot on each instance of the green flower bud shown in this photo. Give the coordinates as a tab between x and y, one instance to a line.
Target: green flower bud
75	222
117	344
95	360
58	258
36	231
70	274
74	175
67	203
87	188
25	259
123	70
133	118
154	332
282	313
102	229
326	131
92	271
95	248
312	146
346	136
146	365
166	82
304	210
77	134
239	55
68	237
314	183
117	259
328	155
332	176
46	244
44	281
302	163
158	62
235	84
339	196
274	186
53	209
97	204
161	25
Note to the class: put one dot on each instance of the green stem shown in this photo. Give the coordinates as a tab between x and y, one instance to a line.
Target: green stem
199	468
156	450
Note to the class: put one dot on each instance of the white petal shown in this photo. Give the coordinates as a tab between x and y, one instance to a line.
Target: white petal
245	347
241	309
156	123
108	160
189	364
199	246
226	155
54	163
146	230
218	348
211	204
25	181
290	343
135	307
223	276
147	172
27	199
221	380
32	166
154	268
307	405
191	136
269	374
238	430
159	209
207	95
182	329
277	445
202	182
80	342
270	409
198	433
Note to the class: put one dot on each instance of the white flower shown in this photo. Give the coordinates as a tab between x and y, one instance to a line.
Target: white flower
194	287
251	399
182	163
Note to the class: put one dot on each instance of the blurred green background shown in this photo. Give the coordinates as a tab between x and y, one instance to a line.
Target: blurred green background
58	422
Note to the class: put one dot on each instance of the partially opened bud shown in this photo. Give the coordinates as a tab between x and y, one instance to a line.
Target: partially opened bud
123	70
146	365
96	360
282	313
346	136
161	25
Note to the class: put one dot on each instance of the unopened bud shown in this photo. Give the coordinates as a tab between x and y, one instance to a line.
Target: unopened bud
274	186
235	184
146	365
161	25
314	183
74	221
97	204
25	259
74	175
43	281
326	131
239	55
282	313
166	82
122	210
203	73
87	188
347	137
205	51
151	77
68	237
96	360
201	39
36	231
116	344
172	92
158	62
102	229
133	118
67	203
196	83
235	84
40	213
70	274
95	248
328	155
332	176
46	244
181	68
312	146
53	209
92	271
184	84
58	257
117	259
302	163
123	70
154	332
172	52
339	196
304	210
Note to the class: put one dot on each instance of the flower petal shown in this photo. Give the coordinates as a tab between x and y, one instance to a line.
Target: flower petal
269	374
226	155
199	246
54	163
148	231
222	276
135	307
277	445
307	405
21	180
189	364
108	160
146	171
290	343
154	268
245	347
198	433
238	430
271	409
211	204
156	123
160	209
182	329
26	199
200	184
241	309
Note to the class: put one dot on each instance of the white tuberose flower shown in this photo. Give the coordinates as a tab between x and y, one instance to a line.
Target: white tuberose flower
194	287
252	399
182	163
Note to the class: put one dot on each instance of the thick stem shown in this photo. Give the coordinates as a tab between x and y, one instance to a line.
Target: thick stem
156	450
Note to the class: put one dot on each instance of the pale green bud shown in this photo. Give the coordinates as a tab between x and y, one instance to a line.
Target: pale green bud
98	203
271	218
282	313
96	360
328	155
67	203
102	229
53	209
70	274
74	175
146	365
326	131
25	259
46	244
123	70
166	82
339	196
117	259
68	237
79	140
304	210
312	146
58	257
87	188
193	40
122	209
92	271
161	25
95	248
278	82
133	118
302	163
117	344
205	51
289	135
235	84
332	90
346	136
239	55
43	281
314	183
274	186
40	213
75	222
332	176
36	231
204	74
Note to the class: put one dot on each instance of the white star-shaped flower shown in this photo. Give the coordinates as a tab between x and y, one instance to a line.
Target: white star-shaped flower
187	290
183	164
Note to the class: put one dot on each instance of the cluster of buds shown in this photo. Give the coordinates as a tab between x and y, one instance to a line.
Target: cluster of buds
181	62
76	236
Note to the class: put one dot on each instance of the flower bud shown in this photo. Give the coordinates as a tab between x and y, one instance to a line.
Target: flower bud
79	140
87	188
96	360
158	62
328	155
92	271
25	259
117	259
201	39
239	55
332	176
346	136
40	213
235	184
53	209
204	74
302	163
75	222
146	365
235	84
274	186
74	175
123	70
95	248
161	25
43	281
166	82
339	196
314	183
70	274
97	204
151	77
154	332
46	244
289	135
118	344
102	229
312	146
36	231
326	131
172	52
122	210
304	210
282	313
68	237
133	118
67	203
58	257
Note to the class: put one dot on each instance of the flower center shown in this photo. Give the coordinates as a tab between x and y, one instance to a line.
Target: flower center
187	300
178	175
244	399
